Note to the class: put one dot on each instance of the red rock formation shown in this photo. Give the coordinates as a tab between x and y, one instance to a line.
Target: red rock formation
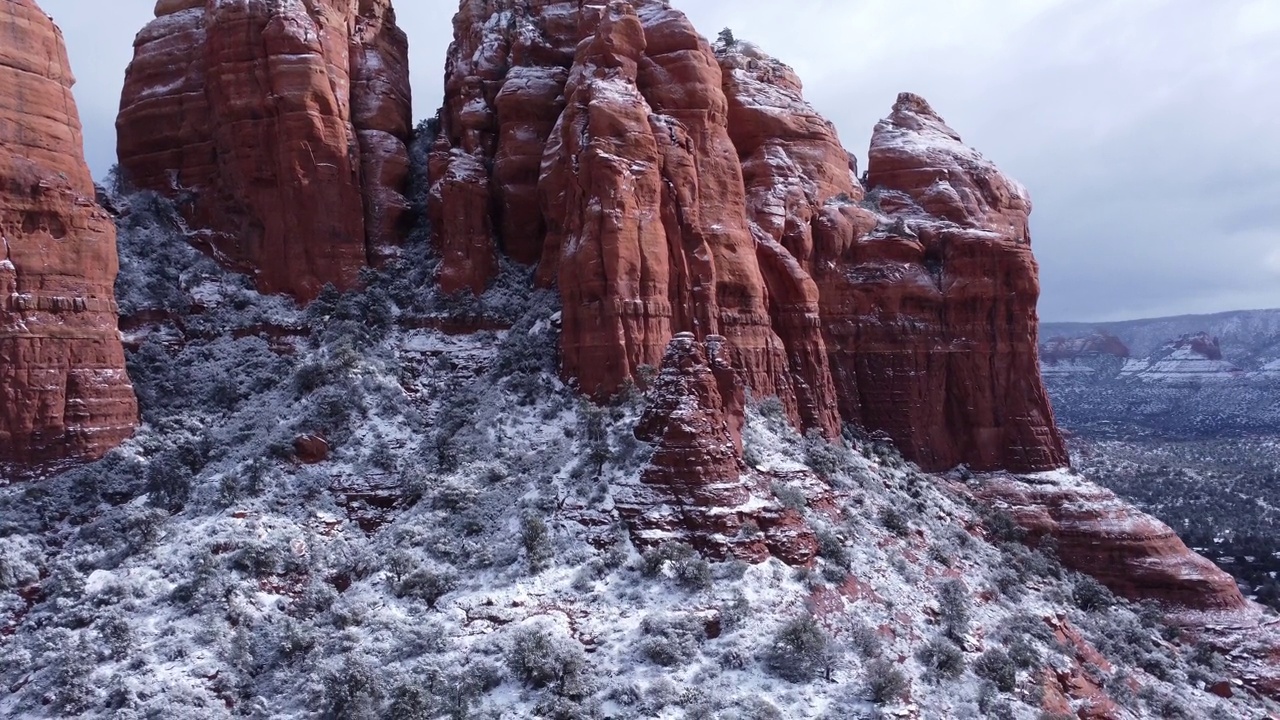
1141	558
1202	344
696	487
686	190
933	317
1132	553
281	128
63	389
1062	349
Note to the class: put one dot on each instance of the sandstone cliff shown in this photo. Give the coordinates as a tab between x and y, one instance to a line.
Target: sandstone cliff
280	128
665	186
64	393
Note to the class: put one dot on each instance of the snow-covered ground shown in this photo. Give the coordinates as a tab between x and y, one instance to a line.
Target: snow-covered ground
457	553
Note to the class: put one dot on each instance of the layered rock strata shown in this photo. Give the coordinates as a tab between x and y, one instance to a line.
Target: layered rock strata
1189	360
1132	553
696	487
64	394
1142	559
667	187
281	129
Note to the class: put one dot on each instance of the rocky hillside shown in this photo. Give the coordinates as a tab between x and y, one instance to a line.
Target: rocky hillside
636	419
372	508
63	390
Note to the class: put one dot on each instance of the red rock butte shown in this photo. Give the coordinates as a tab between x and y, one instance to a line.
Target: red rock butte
64	394
665	186
280	128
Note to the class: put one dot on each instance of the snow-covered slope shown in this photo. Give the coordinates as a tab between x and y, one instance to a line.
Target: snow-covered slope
457	553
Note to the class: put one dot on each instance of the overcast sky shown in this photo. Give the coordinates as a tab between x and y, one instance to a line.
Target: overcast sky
1148	131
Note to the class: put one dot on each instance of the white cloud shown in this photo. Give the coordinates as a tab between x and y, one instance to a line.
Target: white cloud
1272	261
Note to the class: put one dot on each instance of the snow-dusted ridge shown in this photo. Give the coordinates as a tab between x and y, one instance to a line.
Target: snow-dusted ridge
457	554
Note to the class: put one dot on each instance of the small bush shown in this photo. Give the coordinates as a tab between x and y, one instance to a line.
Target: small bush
885	682
941	658
953	608
790	496
1090	595
865	640
427	585
351	691
996	665
1001	527
541	659
772	409
671	641
802	651
687	567
894	521
536	540
831	547
824	458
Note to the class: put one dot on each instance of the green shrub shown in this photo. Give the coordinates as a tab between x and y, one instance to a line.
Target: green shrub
801	650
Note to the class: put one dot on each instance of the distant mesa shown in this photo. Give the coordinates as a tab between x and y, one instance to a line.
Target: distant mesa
1190	358
279	128
64	394
1064	349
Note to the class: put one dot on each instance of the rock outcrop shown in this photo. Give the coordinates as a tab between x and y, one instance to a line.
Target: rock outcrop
1067	349
1188	360
665	186
281	130
696	487
1132	553
64	394
1141	558
1096	354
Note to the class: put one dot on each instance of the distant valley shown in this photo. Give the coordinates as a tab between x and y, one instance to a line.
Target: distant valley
1181	415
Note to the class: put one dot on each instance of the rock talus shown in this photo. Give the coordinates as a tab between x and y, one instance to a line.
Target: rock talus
64	393
281	130
1142	559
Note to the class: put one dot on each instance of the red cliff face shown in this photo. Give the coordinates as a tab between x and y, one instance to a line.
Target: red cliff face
665	187
63	389
280	128
952	274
